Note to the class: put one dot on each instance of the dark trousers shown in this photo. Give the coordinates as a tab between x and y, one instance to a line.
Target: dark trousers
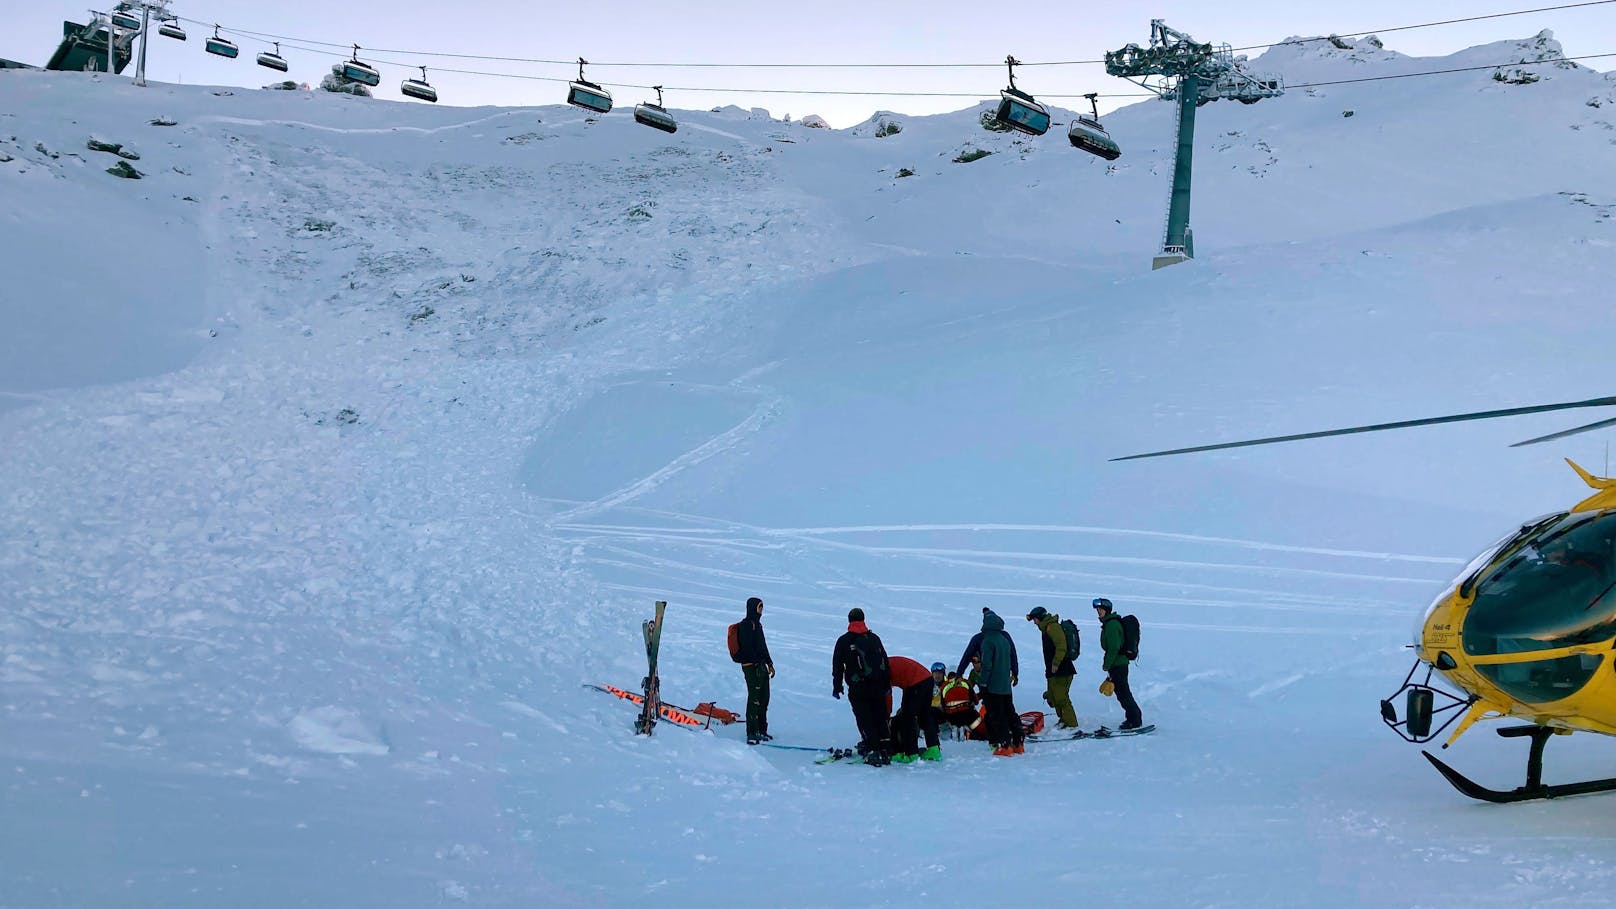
757	699
870	712
1130	707
1004	727
914	714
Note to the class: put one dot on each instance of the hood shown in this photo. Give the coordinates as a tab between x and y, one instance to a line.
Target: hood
991	622
752	604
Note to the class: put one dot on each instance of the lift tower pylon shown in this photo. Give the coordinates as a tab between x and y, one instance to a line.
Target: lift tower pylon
1192	74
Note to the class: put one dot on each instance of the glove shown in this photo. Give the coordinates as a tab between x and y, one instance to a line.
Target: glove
771	670
1014	681
837	692
1106	688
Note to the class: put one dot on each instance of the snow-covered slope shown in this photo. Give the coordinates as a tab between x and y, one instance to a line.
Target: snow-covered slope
345	446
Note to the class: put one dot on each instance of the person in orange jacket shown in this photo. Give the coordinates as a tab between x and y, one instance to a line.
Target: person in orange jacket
914	712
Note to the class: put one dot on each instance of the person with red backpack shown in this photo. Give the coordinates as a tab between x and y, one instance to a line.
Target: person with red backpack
860	660
748	647
1119	652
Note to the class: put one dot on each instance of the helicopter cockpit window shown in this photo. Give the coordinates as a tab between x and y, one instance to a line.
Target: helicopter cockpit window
1555	590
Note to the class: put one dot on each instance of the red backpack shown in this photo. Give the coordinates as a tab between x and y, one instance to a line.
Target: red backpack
735	642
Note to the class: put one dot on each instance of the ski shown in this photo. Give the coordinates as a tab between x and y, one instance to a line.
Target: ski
798	747
652	703
840	756
1100	733
668	712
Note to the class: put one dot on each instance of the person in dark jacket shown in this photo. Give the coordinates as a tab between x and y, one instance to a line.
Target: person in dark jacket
1116	662
914	712
1004	726
1058	666
860	661
758	667
975	647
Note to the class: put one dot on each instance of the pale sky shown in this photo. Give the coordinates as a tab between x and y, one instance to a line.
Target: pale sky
828	31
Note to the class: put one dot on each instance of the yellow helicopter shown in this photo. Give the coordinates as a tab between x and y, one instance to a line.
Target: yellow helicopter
1527	630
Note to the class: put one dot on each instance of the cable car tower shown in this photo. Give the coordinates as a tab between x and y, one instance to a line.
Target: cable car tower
1192	74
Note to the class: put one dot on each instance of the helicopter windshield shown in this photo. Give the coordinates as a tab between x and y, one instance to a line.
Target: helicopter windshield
1554	590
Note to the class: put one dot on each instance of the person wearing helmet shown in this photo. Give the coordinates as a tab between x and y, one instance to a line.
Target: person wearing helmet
1058	666
1116	662
955	703
914	712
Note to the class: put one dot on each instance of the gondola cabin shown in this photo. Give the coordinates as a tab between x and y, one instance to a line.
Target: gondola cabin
419	89
273	60
590	96
171	30
125	20
1020	112
654	116
363	73
222	47
1088	135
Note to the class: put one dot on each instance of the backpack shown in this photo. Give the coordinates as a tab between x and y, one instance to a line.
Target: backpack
1130	637
735	642
1074	643
866	663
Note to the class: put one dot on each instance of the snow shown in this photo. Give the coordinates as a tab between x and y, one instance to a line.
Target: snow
346	447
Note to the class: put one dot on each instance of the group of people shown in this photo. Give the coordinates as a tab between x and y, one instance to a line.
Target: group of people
976	699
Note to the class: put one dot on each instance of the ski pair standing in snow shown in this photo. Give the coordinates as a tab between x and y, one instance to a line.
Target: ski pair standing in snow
752	652
998	678
1113	640
860	661
1060	649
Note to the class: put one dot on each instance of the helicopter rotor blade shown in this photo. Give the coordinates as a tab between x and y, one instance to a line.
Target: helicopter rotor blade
1402	424
1568	432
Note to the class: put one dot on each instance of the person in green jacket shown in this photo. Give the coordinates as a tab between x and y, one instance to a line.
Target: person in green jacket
1058	666
1116	662
1004	726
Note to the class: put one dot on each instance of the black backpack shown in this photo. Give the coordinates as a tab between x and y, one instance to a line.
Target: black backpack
1130	637
866	660
1074	643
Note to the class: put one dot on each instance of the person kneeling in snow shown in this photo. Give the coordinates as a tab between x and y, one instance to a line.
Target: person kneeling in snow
914	712
956	704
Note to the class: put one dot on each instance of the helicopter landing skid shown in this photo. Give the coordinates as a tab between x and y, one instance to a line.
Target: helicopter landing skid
1534	788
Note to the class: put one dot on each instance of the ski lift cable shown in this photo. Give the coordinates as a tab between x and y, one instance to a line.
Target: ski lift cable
1461	69
267	37
1404	28
894	94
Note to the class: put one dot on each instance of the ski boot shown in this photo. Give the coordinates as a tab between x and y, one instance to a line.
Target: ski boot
933	753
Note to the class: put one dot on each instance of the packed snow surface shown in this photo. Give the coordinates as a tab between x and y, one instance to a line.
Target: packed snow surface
346	446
